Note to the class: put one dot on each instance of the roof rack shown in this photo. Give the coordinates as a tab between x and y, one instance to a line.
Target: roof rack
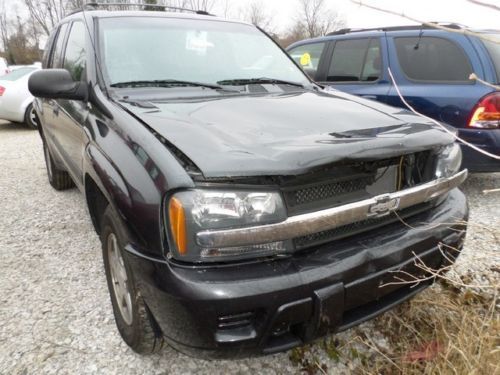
96	5
455	26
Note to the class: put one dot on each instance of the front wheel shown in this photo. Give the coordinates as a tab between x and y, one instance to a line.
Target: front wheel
134	322
30	117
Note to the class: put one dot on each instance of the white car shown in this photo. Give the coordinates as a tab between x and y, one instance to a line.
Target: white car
15	67
4	67
16	102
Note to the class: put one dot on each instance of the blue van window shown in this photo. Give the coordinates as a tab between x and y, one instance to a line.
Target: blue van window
432	59
373	62
307	56
355	60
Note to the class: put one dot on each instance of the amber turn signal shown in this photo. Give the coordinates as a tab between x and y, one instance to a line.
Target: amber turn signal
178	225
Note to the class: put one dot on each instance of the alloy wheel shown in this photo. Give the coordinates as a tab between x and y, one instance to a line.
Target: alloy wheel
119	279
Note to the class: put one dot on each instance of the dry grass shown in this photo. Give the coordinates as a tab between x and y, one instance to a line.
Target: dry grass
451	328
445	330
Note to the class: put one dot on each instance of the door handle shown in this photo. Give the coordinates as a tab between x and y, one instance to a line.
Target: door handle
371	97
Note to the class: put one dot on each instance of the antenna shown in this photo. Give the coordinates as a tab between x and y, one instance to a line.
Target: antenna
421	32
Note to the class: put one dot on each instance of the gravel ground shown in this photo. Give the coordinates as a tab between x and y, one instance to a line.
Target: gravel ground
55	313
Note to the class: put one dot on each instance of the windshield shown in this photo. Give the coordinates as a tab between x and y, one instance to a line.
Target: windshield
154	49
17	74
494	51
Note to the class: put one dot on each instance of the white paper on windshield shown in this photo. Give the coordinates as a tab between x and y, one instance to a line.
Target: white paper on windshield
198	41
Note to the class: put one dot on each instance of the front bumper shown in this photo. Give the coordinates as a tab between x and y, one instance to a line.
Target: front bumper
267	307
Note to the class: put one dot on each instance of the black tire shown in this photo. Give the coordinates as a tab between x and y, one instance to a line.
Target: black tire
58	179
136	326
30	118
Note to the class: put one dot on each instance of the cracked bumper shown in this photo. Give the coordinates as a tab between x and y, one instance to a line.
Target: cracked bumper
267	307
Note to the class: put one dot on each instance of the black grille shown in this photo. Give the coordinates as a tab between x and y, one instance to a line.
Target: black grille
328	190
357	227
350	183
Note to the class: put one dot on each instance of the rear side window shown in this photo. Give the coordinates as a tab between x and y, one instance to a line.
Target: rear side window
357	60
17	74
308	57
74	57
494	51
56	60
432	59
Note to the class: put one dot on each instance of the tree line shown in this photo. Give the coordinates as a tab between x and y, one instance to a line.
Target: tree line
22	34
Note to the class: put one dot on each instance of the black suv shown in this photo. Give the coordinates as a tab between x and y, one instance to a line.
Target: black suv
242	210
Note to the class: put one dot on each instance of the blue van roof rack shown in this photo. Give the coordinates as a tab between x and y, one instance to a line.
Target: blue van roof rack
455	26
94	5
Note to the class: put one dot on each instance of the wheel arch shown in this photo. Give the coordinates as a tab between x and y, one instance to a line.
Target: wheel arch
96	202
103	184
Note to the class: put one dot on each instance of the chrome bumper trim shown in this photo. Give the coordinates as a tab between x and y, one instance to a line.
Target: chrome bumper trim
319	221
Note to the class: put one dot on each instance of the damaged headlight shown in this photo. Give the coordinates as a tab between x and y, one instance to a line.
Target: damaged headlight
194	211
449	161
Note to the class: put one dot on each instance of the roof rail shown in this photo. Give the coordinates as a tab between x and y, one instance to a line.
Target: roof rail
400	28
96	5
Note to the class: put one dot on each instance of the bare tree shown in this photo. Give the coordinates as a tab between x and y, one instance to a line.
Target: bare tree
177	3
317	19
72	5
226	9
47	13
204	5
4	26
296	32
257	14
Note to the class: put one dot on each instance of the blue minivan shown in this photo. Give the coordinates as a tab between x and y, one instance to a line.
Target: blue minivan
432	69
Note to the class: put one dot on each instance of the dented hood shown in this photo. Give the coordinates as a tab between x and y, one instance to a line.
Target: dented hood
284	134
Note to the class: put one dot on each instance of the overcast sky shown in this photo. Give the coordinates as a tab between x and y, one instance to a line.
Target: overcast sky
355	16
460	11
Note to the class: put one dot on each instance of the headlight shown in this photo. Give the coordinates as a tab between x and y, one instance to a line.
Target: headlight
449	161
193	211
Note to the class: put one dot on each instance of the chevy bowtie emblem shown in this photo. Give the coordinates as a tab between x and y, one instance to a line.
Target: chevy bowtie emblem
384	206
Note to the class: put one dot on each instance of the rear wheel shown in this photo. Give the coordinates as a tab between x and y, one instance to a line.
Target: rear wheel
133	320
58	179
30	118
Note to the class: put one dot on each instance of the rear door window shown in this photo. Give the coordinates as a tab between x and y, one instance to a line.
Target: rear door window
355	60
308	57
494	51
432	59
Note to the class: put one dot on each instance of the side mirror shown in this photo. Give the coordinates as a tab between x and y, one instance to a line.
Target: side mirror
56	84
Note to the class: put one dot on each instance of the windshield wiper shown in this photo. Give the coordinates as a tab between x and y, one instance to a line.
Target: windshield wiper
256	81
167	83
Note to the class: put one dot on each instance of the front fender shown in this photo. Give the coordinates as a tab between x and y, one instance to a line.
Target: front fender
134	171
126	200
